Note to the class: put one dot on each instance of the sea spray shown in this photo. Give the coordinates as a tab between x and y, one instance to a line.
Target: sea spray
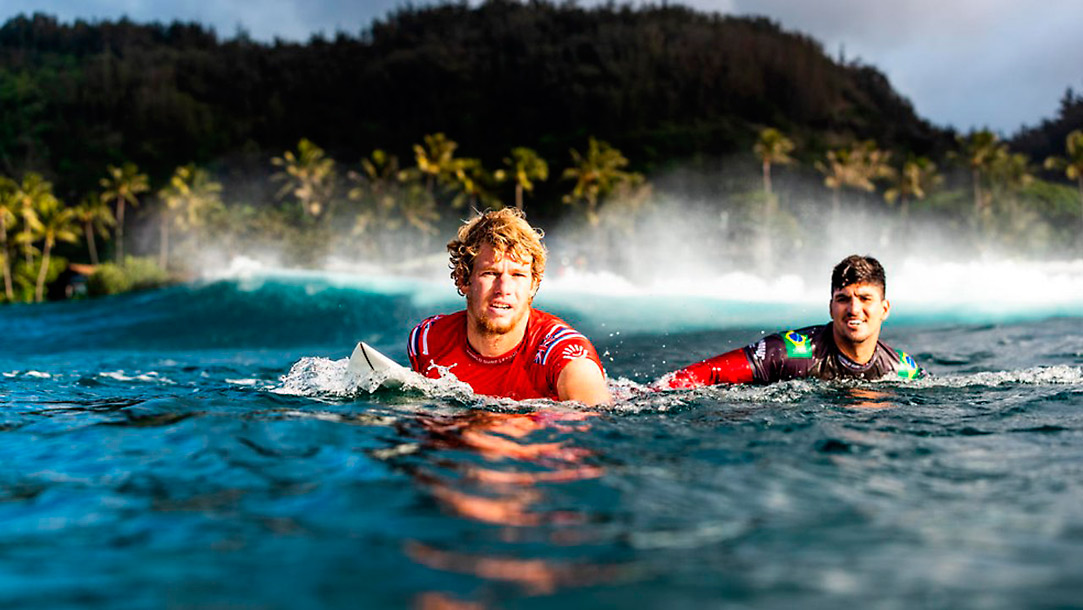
325	378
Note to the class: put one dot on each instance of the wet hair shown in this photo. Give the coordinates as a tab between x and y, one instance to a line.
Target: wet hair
856	269
507	231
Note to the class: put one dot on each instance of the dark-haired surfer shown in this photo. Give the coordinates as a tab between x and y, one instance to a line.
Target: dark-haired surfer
847	347
500	345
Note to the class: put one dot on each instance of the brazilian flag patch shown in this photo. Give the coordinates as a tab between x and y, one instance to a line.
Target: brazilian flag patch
797	345
908	368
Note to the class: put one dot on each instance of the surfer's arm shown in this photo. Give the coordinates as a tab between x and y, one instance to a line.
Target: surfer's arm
731	367
582	380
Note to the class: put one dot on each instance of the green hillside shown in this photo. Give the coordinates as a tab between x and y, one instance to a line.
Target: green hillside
663	84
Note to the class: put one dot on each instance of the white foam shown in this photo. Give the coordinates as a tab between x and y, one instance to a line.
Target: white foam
314	377
320	415
238	267
243	382
148	377
322	377
1039	375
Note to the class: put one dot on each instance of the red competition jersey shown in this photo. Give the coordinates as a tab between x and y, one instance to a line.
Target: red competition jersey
530	370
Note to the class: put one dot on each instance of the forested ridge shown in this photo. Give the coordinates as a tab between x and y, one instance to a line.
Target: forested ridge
663	84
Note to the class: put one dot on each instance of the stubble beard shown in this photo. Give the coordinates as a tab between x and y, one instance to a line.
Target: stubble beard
854	341
488	327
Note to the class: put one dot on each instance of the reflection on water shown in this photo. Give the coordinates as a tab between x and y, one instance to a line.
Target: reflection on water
865	398
504	470
533	576
149	462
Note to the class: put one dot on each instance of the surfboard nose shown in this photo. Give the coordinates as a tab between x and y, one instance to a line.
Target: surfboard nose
367	360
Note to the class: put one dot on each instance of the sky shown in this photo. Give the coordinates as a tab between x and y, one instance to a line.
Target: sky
967	64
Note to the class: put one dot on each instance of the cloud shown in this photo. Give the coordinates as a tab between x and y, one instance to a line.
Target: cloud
262	19
347	15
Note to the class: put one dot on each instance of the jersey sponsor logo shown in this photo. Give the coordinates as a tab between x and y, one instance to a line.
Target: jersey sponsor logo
555	336
760	349
574	352
908	367
797	345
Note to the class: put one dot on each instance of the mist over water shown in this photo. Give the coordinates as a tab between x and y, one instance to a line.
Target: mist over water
679	265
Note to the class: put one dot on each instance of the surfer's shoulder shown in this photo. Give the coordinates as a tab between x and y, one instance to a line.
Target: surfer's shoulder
905	365
799	343
898	361
418	342
550	332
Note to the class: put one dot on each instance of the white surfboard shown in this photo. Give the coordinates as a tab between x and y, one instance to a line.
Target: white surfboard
367	363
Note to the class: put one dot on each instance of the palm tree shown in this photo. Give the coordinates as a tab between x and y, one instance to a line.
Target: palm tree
379	172
189	198
525	167
122	187
7	218
834	171
435	159
377	191
309	175
418	205
204	198
856	166
473	183
914	181
29	196
596	175
1011	173
57	222
979	150
772	148
1072	164
877	163
94	215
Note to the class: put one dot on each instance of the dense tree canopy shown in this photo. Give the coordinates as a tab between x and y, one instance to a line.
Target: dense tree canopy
1049	136
662	83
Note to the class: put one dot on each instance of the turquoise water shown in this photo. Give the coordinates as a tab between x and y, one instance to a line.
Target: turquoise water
198	447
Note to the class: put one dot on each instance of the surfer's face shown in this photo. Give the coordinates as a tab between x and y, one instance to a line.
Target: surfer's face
857	312
499	291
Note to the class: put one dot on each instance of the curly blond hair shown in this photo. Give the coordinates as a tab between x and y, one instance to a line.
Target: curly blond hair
506	231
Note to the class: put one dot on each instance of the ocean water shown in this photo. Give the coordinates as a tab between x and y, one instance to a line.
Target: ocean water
198	446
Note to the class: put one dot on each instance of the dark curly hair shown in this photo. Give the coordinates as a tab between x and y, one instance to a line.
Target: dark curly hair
856	269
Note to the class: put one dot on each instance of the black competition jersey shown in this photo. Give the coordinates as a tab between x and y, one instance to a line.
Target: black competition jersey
811	352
